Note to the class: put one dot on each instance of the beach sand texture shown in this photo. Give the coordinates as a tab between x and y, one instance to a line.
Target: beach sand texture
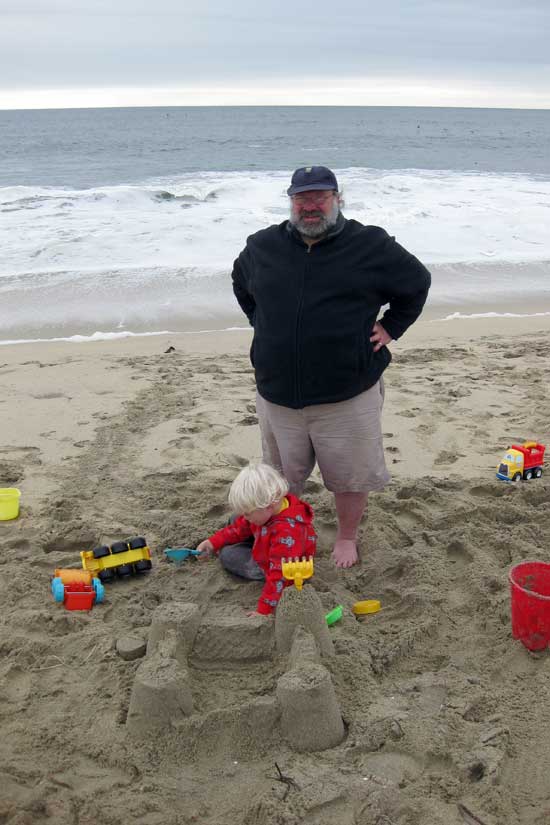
442	709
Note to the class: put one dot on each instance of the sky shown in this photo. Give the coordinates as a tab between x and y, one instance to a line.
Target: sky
65	53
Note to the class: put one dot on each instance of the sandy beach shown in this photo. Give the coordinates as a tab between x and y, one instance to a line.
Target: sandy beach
445	714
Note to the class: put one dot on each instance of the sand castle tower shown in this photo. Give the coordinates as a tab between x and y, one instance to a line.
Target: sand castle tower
310	715
161	693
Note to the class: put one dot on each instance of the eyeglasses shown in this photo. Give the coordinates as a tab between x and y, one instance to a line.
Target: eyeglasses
313	197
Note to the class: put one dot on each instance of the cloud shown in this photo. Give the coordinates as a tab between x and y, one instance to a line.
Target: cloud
67	44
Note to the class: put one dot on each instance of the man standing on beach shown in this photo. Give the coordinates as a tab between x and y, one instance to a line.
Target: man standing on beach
312	289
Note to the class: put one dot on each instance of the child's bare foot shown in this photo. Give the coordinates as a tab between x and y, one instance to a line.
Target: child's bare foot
345	553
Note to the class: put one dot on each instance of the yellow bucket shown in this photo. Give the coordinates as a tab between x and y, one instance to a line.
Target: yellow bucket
9	503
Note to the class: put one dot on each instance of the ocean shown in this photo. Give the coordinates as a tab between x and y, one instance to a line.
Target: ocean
116	222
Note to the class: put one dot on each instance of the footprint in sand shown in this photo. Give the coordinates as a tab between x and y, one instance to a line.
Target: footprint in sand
458	553
446	457
194	428
73	539
495	490
313	487
425	429
217	511
248	420
9	473
16	684
49	395
236	460
25	455
459	392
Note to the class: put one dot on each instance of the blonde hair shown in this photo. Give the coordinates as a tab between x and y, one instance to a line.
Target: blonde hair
256	486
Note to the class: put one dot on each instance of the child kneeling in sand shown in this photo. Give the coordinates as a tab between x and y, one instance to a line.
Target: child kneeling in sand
279	524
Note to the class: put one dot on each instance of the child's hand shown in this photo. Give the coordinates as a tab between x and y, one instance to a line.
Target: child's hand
206	549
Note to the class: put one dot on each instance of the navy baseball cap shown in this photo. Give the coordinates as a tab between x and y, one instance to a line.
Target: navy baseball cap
308	178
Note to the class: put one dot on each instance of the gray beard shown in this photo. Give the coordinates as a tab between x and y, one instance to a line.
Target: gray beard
326	223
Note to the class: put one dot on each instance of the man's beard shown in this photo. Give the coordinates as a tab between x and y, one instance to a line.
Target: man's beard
326	222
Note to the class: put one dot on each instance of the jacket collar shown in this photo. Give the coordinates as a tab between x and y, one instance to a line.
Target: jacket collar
333	232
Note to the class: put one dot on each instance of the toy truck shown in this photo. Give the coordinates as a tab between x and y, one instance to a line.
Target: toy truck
522	461
76	589
122	558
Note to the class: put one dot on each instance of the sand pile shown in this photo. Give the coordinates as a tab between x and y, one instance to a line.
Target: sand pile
440	708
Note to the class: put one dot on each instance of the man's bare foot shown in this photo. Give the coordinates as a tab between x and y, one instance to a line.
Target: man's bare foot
345	553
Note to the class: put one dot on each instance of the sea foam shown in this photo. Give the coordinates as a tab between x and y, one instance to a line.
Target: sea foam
155	255
201	220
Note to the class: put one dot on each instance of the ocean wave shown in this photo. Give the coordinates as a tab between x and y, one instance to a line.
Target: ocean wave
202	219
158	255
81	339
114	336
459	316
163	195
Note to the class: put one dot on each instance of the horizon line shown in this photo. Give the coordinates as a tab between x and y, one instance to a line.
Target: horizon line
270	106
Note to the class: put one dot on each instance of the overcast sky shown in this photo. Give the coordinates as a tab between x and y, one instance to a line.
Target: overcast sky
178	52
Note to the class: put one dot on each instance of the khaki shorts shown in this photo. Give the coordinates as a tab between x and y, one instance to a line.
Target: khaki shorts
344	438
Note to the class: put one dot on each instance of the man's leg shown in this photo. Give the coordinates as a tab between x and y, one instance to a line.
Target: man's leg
349	511
286	444
347	438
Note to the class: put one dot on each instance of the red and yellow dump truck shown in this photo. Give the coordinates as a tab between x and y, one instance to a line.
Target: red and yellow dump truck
522	461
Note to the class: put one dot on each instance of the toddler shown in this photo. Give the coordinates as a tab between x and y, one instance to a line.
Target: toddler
279	524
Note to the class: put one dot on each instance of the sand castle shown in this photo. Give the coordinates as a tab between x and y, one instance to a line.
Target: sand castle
305	707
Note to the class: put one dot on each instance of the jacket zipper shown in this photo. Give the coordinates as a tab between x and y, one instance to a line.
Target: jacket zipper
297	382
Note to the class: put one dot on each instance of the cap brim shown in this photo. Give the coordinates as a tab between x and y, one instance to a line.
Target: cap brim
311	187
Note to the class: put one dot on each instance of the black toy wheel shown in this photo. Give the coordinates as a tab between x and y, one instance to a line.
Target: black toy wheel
538	472
137	543
119	547
517	477
143	566
105	576
100	552
124	570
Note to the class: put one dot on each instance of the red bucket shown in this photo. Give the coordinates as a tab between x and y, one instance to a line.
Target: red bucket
530	600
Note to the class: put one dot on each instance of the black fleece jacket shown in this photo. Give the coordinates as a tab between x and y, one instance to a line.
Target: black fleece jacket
313	308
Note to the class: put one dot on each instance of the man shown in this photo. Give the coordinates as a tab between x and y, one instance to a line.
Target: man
312	288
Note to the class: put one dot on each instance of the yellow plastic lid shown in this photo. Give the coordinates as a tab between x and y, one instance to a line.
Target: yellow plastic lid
366	606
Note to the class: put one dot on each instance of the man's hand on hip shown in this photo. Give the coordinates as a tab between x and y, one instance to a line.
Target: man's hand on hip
379	337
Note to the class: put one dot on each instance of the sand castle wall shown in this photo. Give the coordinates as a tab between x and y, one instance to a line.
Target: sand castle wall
229	638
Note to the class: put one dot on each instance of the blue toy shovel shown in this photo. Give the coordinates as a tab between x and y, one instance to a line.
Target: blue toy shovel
179	554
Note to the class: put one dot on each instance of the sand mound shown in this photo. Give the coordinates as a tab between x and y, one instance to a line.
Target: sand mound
440	706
